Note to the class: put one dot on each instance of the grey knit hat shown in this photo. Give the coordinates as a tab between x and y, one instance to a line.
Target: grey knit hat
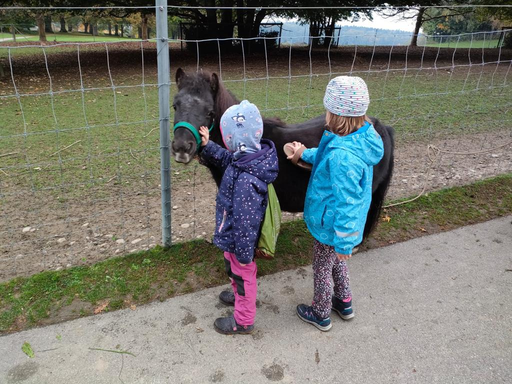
347	96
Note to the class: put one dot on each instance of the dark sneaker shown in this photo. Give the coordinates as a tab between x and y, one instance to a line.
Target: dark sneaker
229	326
227	297
344	309
306	314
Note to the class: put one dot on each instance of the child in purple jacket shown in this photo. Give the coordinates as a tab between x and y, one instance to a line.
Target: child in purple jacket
249	164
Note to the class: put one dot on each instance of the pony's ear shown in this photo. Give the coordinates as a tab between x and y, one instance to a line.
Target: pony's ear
214	82
180	74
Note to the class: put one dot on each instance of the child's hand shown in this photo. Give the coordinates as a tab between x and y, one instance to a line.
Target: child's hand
295	146
205	135
342	257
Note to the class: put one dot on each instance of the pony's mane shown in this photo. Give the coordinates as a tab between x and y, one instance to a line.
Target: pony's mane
223	100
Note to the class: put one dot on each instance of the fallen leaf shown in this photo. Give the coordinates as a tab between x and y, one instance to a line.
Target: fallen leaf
101	307
133	307
386	219
27	349
423	229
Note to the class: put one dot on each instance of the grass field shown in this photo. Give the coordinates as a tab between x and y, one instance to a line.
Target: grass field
64	37
454	43
104	127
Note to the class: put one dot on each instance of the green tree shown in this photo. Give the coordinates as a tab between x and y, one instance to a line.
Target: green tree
323	21
410	10
500	16
446	21
43	17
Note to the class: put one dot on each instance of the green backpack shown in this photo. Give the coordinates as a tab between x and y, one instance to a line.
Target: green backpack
270	227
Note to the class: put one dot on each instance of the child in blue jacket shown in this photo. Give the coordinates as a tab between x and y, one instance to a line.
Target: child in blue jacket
339	195
249	164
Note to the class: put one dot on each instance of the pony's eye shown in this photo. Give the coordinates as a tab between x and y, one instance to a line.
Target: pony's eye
174	106
211	113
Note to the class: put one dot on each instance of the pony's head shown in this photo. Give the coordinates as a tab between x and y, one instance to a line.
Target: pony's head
194	106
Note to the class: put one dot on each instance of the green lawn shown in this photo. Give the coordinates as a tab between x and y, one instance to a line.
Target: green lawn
65	37
103	126
454	43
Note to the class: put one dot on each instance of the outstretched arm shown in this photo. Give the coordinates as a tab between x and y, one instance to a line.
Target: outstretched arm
213	153
308	155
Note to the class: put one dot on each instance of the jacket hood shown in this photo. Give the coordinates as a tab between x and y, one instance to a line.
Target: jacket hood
262	164
365	143
241	127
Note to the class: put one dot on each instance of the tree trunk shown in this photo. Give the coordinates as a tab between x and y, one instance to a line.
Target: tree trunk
257	22
48	24
329	33
63	25
211	21
419	22
314	31
144	28
122	30
86	27
240	18
40	27
226	21
94	30
249	22
70	27
13	32
116	29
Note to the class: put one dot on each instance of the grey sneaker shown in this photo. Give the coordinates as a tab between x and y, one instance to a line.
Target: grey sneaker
229	326
227	297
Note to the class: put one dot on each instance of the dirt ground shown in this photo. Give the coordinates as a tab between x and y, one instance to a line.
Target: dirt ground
41	231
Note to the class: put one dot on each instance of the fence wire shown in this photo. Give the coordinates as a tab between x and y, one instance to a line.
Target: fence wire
79	139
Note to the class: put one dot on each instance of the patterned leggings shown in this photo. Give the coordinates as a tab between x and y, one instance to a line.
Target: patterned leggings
326	265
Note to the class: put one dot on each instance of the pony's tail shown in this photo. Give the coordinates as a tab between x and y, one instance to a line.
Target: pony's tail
377	201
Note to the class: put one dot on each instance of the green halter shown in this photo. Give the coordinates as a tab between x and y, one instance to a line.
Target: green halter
192	129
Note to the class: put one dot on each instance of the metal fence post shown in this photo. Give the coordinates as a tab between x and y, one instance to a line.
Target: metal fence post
163	63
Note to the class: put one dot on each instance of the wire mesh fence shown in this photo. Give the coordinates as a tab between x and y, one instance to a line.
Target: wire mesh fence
79	131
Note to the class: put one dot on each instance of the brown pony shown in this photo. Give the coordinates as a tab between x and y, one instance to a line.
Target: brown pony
201	101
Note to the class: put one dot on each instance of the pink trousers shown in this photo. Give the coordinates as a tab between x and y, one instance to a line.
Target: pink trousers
245	288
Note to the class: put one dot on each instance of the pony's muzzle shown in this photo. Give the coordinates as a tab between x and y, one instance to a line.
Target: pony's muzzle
183	151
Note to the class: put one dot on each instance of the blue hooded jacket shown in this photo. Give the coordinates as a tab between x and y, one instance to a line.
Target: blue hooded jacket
340	187
242	196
